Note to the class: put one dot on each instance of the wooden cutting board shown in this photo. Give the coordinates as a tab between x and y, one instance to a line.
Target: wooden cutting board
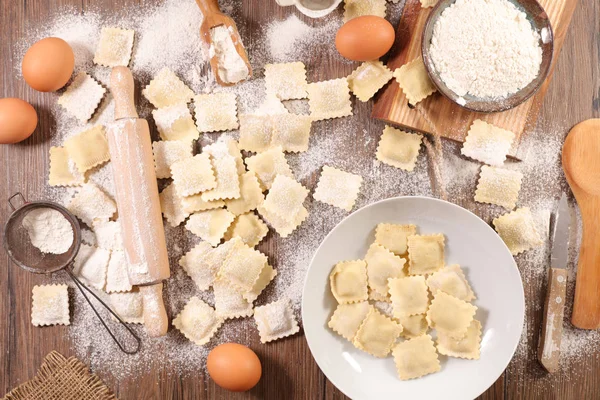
450	120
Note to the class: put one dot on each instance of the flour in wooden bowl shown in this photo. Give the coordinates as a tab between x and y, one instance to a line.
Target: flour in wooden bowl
485	48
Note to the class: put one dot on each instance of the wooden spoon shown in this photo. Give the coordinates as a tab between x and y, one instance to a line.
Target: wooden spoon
581	162
213	17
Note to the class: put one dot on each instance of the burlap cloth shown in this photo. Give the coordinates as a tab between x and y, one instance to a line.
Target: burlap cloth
62	379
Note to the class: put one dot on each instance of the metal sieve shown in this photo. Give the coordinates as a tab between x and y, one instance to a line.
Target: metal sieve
28	257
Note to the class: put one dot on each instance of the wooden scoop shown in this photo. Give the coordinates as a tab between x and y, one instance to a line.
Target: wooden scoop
213	17
581	162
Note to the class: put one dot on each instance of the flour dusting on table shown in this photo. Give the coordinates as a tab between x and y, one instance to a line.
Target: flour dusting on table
167	35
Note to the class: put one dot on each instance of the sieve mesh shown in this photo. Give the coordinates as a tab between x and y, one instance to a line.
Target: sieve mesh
25	254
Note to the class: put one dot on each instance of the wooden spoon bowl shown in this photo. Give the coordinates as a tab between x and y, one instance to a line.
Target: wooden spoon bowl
581	162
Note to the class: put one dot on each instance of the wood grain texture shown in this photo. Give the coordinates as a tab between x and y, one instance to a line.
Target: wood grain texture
289	370
552	325
449	119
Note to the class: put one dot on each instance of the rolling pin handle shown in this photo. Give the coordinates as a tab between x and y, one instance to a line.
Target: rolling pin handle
122	88
155	315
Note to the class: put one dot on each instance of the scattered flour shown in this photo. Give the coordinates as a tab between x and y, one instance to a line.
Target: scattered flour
48	230
167	35
485	48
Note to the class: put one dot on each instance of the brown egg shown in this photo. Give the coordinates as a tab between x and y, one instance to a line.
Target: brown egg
18	120
365	38
48	64
234	367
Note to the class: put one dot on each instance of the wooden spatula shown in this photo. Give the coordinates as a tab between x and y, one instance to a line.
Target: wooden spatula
213	17
581	162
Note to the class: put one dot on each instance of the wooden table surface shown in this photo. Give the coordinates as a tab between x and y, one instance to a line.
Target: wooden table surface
289	369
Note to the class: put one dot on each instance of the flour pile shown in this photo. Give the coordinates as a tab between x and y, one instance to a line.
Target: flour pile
49	231
485	48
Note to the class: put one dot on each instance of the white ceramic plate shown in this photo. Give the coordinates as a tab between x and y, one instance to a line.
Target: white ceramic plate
489	267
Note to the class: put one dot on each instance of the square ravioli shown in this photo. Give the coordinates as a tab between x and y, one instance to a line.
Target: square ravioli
171	206
398	148
498	186
377	334
210	225
267	274
348	281
90	204
382	265
50	305
414	81
114	47
466	347
88	149
517	229
63	171
286	81
275	320
347	318
225	166
256	132
451	280
117	279
394	237
248	227
242	266
266	166
230	302
196	263
338	188
416	357
487	143
357	8
368	78
284	227
193	175
413	325
216	112
198	321
425	253
285	198
291	132
409	295
251	195
82	97
449	315
90	266
166	89
175	123
329	99
128	306
167	153
108	235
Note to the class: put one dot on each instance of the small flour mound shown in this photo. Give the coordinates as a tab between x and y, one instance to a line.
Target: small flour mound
487	49
48	230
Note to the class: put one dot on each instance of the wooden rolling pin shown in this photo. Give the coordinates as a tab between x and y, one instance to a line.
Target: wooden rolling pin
581	162
137	201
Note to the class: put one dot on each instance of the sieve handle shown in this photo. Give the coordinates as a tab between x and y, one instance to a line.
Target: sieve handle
11	199
83	289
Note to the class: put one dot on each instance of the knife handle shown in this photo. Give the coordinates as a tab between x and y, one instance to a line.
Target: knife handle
552	326
122	89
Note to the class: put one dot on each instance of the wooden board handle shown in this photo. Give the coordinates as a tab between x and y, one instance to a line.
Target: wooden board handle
155	315
122	89
586	307
552	326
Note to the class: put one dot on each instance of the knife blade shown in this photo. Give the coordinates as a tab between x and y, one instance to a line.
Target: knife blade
554	307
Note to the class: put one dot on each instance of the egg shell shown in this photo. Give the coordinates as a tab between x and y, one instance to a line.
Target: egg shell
365	38
18	120
234	367
48	64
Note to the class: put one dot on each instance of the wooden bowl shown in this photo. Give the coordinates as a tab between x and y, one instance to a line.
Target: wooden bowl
539	20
